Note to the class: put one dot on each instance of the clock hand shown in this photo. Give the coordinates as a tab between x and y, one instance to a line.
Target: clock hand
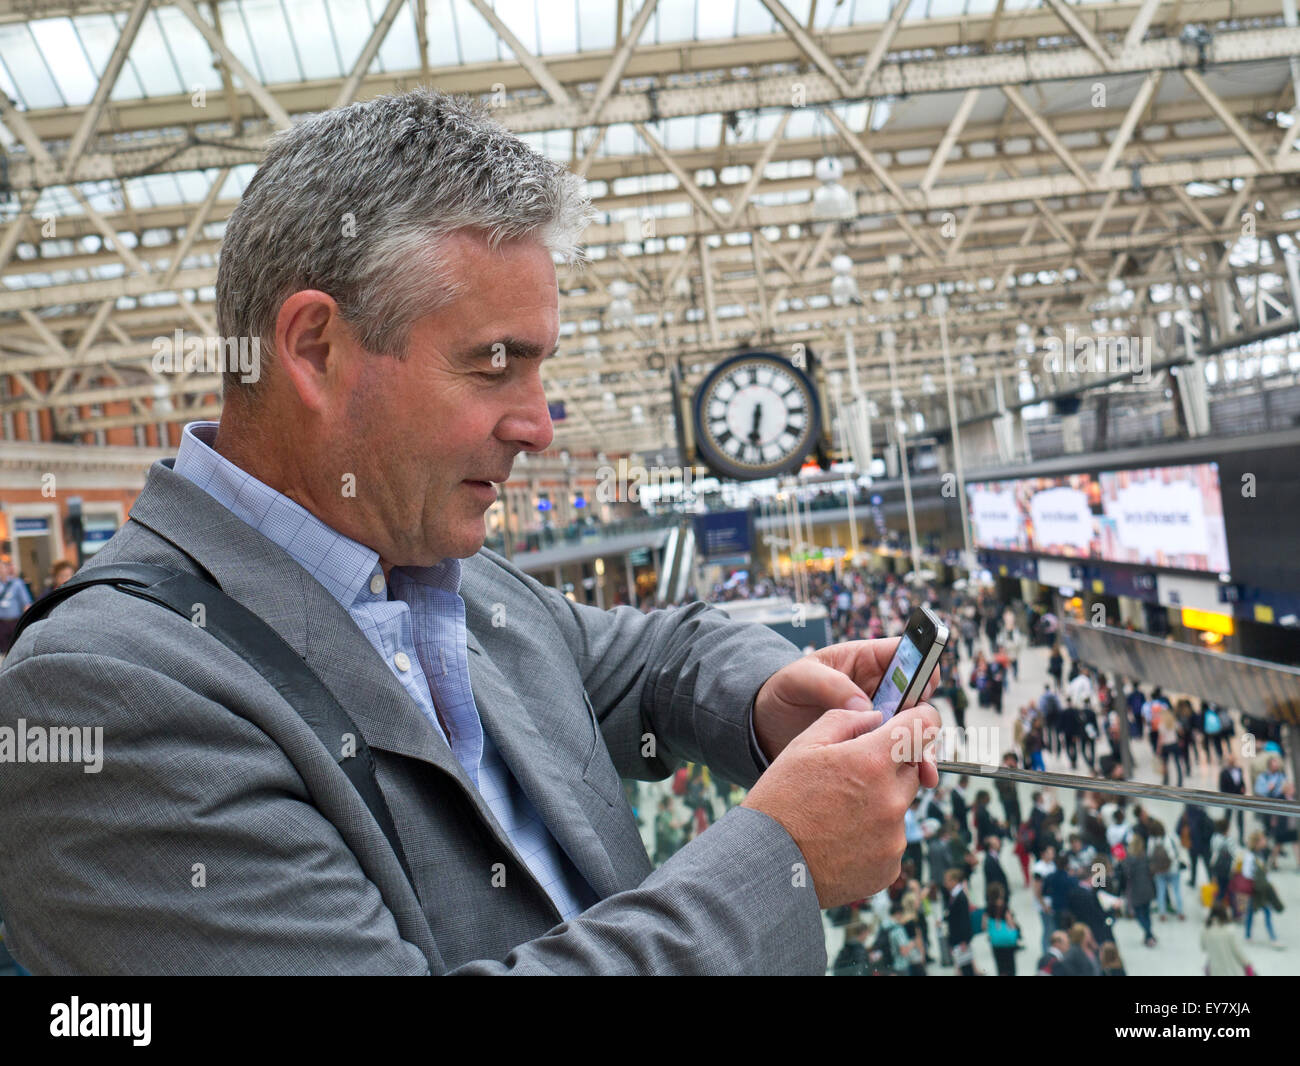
758	418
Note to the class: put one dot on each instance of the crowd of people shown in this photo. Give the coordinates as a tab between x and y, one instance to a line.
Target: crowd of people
1109	861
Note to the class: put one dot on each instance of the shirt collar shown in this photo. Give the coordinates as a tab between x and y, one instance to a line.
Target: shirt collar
351	565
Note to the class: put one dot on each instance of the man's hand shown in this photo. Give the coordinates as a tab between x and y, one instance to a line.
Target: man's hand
842	675
841	788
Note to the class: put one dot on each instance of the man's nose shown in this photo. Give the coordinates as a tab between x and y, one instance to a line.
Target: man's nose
528	424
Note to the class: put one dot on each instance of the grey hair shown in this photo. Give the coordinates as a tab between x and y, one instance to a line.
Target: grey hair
356	201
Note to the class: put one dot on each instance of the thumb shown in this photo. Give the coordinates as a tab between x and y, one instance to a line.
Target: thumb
824	686
838	725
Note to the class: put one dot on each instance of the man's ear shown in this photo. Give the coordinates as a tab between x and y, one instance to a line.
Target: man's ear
314	349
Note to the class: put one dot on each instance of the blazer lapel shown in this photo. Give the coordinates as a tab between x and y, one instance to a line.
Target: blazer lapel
506	716
263	577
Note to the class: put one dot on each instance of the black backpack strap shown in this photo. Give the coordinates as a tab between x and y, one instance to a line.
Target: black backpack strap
245	634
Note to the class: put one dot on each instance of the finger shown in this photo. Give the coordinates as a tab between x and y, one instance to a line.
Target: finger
838	725
930	721
930	686
865	661
820	685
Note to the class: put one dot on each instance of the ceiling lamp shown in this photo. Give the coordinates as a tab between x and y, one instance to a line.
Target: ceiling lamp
621	313
844	290
832	202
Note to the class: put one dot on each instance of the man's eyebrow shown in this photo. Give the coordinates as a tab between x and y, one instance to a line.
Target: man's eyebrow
513	348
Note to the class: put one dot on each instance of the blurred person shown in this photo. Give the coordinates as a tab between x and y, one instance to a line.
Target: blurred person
1111	964
1053	954
1195	831
60	573
1007	794
1222	860
1004	933
1261	896
852	959
1166	864
993	872
1232	780
1135	700
1069	725
1169	736
1213	728
1139	885
985	825
1272	783
1056	666
961	809
912	918
15	598
957	908
1049	708
1223	954
1081	959
913	833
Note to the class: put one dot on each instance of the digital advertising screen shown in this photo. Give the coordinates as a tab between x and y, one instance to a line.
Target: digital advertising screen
1164	516
1169	516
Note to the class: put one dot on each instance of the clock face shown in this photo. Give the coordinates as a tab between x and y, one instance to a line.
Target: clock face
756	416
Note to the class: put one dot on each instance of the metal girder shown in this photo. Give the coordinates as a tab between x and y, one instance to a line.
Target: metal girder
808	46
1087	226
252	85
1085	35
773	91
1048	135
1226	117
348	90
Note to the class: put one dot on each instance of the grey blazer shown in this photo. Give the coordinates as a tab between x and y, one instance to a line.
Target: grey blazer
221	837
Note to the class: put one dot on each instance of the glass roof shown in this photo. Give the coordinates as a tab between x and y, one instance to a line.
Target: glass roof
56	62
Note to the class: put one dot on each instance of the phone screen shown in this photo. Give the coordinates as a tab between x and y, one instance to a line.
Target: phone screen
902	668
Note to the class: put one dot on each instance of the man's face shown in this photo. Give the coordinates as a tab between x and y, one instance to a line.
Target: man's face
433	431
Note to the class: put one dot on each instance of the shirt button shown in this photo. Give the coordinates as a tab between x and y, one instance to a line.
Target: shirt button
402	661
377	584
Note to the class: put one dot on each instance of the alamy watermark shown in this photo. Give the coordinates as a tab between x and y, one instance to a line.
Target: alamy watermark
190	354
976	744
1085	354
624	483
38	744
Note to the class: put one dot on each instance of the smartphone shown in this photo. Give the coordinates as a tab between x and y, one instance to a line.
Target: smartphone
909	671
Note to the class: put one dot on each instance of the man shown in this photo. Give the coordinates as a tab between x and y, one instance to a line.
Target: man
957	906
914	835
1080	688
853	960
1136	701
394	260
1056	889
994	874
1008	795
1048	964
60	573
1081	959
1232	780
14	599
1049	708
